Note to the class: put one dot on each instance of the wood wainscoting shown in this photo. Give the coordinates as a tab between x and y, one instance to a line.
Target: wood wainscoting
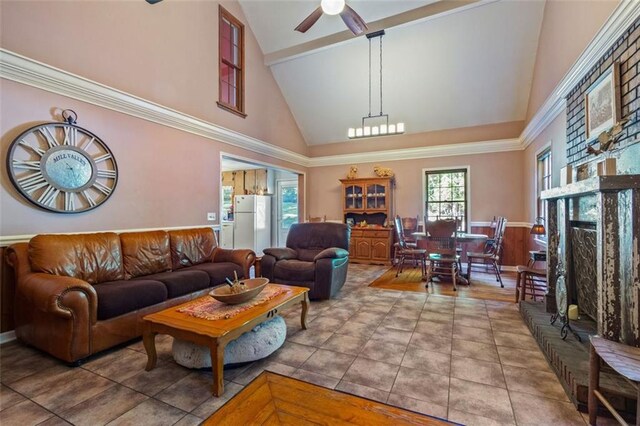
517	243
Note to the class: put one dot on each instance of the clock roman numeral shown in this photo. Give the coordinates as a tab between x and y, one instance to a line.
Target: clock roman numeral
70	135
102	188
32	182
51	140
102	158
49	196
107	174
87	196
69	201
38	151
88	144
29	165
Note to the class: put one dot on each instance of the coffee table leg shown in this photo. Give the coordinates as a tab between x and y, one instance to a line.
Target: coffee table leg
149	340
305	309
217	367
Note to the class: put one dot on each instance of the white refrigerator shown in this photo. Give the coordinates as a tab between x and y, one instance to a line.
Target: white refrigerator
252	222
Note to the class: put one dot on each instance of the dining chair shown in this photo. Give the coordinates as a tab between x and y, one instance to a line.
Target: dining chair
493	256
409	226
404	251
317	219
442	236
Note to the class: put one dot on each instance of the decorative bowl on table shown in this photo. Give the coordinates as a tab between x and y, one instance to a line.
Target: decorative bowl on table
253	286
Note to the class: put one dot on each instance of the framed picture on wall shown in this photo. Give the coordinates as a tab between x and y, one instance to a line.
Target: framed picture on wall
602	103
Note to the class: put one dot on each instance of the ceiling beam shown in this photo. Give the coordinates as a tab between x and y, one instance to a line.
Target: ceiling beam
420	14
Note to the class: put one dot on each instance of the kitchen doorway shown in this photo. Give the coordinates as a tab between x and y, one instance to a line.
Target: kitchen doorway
287	205
258	183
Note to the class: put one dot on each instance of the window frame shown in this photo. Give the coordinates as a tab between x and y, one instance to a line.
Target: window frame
467	202
239	108
543	182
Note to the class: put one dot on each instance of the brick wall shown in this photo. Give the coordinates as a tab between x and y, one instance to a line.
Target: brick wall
626	51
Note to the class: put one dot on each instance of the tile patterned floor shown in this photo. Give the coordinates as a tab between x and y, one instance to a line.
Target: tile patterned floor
470	361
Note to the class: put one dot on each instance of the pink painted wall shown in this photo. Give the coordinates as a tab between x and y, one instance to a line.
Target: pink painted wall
441	137
167	177
567	28
166	53
496	185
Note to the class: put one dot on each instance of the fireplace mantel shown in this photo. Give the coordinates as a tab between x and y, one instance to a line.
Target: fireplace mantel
617	224
593	185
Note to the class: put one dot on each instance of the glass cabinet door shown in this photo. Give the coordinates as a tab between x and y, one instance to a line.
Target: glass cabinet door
353	197
376	197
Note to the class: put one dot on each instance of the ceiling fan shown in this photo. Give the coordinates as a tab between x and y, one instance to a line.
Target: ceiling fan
334	7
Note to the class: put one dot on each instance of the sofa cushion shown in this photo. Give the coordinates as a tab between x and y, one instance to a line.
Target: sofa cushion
217	271
117	298
145	253
94	258
180	282
191	246
298	270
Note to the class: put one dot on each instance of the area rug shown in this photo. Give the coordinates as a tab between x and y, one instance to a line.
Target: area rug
483	285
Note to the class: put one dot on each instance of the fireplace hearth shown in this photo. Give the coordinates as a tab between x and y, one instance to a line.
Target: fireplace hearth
569	359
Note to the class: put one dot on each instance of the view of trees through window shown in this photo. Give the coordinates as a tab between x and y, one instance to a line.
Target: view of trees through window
447	196
289	205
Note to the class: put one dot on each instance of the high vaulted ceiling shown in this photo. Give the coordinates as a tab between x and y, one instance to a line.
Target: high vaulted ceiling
469	66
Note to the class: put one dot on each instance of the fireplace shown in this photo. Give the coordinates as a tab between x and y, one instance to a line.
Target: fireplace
603	210
594	231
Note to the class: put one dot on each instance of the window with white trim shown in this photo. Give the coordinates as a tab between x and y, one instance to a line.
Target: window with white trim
447	196
543	182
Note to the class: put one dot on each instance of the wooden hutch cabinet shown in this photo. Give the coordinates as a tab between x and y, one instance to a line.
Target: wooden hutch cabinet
369	200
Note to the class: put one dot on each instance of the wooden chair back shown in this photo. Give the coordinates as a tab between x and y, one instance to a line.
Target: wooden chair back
317	219
399	230
497	249
442	236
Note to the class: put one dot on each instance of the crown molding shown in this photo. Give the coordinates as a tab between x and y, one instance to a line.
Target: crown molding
7	240
622	17
468	148
33	73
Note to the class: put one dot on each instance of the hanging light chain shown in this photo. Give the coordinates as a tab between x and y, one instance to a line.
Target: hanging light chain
383	129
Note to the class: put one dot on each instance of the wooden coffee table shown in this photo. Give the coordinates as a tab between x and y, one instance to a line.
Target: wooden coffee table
216	334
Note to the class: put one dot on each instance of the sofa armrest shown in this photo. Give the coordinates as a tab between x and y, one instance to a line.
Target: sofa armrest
331	253
66	297
281	253
242	257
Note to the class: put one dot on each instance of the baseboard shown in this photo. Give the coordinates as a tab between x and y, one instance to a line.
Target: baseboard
7	336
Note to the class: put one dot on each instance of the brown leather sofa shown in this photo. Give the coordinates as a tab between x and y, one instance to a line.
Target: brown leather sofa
80	294
316	256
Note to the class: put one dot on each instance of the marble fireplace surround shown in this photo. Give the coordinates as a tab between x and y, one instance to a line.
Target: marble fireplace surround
612	204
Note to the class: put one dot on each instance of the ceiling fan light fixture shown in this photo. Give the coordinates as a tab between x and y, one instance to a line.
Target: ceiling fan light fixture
332	7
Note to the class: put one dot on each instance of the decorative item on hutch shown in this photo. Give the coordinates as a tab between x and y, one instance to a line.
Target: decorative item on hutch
367	203
353	172
62	167
383	171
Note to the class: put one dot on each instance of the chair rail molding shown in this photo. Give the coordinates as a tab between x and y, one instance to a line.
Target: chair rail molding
621	18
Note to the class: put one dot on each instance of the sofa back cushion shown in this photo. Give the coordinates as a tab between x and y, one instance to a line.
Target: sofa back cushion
94	258
145	253
191	246
309	239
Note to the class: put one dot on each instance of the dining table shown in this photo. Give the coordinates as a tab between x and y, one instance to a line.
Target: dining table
461	238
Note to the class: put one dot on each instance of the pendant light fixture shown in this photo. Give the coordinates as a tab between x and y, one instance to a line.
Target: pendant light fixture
385	128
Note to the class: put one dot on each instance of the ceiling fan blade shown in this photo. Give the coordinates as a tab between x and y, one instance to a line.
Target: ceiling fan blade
153	1
310	20
355	23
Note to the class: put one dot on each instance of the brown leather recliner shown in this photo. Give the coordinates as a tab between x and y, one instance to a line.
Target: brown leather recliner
316	256
77	295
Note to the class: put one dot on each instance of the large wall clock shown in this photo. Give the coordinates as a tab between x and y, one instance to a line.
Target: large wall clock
62	167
